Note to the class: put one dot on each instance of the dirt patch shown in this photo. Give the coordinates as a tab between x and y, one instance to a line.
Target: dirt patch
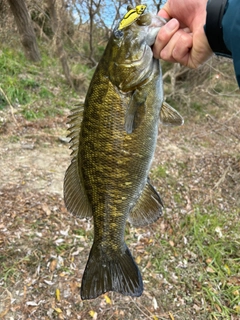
33	155
43	250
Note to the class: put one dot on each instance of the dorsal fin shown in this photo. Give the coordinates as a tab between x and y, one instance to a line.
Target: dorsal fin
74	122
148	207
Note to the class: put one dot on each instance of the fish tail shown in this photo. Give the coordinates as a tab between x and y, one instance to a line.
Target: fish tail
118	273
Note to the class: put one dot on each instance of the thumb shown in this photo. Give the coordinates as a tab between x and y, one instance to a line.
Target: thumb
163	13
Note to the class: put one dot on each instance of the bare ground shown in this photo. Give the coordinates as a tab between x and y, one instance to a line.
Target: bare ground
44	250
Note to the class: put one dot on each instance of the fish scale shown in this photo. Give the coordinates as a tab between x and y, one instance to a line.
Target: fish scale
112	154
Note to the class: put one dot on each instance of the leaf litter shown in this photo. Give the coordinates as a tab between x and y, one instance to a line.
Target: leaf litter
43	250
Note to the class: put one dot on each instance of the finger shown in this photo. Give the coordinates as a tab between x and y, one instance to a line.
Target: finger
182	48
177	50
164	36
163	13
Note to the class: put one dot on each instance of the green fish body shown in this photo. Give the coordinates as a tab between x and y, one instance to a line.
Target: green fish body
113	147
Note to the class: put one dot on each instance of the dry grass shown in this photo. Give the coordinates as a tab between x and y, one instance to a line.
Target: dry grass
189	259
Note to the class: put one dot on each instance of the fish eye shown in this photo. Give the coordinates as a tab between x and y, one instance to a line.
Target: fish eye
144	20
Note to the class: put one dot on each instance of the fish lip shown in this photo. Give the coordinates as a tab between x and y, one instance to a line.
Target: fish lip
156	20
154	27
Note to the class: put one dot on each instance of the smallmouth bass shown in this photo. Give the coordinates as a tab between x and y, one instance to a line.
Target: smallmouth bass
113	138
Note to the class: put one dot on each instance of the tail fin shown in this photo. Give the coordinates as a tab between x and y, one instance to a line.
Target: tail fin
116	273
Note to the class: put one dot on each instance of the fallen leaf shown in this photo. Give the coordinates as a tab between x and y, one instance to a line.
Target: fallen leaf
196	307
218	308
171	243
171	316
93	314
210	270
31	303
237	309
155	304
53	265
208	260
218	230
234	280
107	299
138	259
226	267
236	292
74	286
46	209
58	295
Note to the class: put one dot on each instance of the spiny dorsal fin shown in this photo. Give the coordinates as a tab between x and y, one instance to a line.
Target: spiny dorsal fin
74	122
148	207
169	116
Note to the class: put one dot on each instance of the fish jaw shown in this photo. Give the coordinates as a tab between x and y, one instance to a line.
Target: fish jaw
155	26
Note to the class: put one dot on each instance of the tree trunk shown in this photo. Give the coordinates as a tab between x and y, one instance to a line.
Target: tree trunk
57	30
23	21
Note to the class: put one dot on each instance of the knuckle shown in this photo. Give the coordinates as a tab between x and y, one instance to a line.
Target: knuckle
163	35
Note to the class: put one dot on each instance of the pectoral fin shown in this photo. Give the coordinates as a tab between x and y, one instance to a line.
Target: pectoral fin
135	110
169	116
148	207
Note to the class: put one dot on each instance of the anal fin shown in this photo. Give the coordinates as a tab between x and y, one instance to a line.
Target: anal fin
148	207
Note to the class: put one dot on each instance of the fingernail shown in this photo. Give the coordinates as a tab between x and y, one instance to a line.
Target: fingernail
172	24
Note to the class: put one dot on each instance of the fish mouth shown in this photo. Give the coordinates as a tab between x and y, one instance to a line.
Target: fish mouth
151	34
156	24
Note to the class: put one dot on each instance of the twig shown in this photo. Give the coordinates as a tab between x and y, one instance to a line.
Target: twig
4	312
11	107
224	125
222	178
146	315
219	94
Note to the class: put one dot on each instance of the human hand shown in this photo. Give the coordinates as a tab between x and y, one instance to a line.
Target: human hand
183	39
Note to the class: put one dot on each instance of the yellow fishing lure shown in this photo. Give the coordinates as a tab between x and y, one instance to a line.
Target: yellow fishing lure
131	16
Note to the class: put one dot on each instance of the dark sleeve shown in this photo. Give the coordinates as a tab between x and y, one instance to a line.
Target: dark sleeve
213	27
223	30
